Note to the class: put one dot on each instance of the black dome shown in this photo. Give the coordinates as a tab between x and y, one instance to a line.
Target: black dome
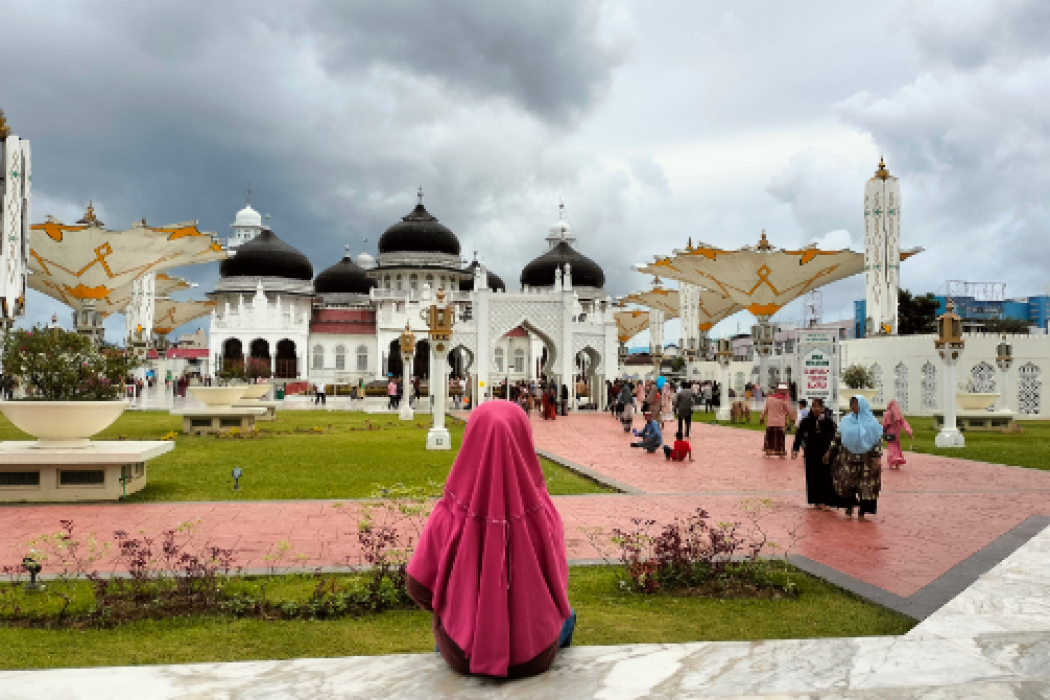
419	232
266	255
345	277
494	281
585	272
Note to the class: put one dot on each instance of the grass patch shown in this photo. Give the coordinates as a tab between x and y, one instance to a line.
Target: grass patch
350	455
607	616
1028	449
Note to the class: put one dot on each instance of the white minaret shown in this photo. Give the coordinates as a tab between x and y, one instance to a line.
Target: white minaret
246	226
15	183
882	251
561	230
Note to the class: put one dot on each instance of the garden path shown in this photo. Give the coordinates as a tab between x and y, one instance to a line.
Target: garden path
933	514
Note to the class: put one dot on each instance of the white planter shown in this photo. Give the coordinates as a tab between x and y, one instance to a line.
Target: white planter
218	395
255	391
974	402
63	423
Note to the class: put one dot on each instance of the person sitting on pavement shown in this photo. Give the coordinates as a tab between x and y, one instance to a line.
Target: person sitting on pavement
681	449
651	437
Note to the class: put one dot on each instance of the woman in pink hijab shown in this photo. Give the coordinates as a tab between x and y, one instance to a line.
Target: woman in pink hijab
893	425
491	563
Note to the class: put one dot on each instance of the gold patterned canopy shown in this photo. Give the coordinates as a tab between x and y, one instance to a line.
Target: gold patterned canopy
714	307
761	279
169	315
665	300
630	323
75	263
118	299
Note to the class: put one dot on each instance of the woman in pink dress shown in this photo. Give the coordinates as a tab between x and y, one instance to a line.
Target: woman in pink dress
666	404
775	415
893	425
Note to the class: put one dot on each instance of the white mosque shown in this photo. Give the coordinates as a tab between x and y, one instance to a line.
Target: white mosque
342	326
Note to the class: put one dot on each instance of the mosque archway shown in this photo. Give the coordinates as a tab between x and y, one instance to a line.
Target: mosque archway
287	364
394	364
260	349
232	353
421	363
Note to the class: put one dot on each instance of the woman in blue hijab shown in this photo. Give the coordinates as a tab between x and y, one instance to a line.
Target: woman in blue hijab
856	458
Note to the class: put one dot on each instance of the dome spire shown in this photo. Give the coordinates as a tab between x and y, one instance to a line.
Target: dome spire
421	195
249	201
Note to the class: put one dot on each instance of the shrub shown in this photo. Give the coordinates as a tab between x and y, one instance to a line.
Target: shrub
858	377
64	366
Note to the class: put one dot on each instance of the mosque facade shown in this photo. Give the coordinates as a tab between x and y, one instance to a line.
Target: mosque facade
342	326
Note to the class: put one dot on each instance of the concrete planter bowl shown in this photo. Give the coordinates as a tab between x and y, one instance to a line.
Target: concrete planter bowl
974	402
253	392
63	423
218	396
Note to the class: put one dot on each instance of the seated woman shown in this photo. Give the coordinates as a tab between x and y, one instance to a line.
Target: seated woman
651	437
491	563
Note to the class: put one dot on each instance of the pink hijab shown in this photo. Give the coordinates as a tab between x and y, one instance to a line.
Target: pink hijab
893	420
493	551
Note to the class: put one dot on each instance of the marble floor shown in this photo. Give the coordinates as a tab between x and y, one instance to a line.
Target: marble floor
991	641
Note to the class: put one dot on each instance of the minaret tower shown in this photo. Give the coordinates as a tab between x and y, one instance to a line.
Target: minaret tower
561	230
15	183
882	251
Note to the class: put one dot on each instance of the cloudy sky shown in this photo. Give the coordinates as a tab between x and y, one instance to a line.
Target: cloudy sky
653	121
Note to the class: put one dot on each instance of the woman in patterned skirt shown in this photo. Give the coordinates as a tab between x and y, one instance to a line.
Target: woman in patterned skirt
775	416
856	459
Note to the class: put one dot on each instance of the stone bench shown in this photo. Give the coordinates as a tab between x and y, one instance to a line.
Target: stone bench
270	406
209	419
102	471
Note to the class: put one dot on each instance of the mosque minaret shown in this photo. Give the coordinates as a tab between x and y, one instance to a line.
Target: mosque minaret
882	251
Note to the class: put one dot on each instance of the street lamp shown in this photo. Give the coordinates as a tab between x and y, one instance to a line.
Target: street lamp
724	355
1004	359
440	318
949	344
408	354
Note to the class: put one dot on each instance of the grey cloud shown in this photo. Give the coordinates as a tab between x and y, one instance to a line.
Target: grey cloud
824	191
971	34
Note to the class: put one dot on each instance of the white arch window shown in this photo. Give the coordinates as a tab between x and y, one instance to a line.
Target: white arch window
340	357
413	282
499	359
519	360
318	362
362	358
399	283
386	283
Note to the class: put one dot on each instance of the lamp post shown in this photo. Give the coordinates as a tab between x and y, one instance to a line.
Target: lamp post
1004	359
439	322
408	354
949	344
656	340
724	357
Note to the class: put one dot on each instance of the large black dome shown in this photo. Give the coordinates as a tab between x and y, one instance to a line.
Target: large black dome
419	232
495	283
585	272
345	277
266	255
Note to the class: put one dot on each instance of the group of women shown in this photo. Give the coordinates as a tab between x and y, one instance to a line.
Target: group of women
844	462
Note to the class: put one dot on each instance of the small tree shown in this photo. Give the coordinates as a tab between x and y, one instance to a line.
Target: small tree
858	377
916	314
257	368
65	366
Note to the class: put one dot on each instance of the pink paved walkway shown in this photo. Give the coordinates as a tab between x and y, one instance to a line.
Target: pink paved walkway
932	514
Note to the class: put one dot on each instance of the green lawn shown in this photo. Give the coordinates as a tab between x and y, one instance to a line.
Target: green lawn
353	454
1030	448
606	616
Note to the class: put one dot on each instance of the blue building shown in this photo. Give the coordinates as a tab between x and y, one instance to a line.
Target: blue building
1034	310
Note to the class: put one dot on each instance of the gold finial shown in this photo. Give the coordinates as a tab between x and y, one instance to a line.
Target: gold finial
882	173
656	281
689	245
89	217
763	244
5	130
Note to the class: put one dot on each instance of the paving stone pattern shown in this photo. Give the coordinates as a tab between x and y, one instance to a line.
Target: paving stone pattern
933	514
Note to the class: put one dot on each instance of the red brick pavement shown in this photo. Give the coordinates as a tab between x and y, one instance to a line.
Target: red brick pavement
933	513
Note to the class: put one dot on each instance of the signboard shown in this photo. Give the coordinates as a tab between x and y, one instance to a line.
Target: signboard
818	351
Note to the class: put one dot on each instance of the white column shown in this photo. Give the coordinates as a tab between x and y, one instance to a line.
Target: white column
480	378
568	357
407	360
724	413
438	437
949	436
